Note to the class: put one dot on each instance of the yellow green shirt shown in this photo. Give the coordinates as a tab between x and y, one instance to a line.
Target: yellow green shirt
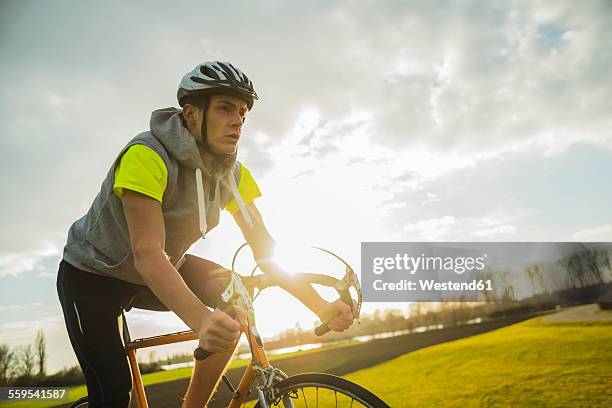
142	170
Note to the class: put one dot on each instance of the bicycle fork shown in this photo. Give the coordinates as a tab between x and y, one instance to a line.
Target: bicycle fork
263	401
266	393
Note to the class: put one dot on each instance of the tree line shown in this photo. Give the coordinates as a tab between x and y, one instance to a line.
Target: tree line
25	364
579	276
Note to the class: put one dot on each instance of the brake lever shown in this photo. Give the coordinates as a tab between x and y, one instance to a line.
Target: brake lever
343	288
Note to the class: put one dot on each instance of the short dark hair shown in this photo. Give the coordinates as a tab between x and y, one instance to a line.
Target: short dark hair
199	101
195	100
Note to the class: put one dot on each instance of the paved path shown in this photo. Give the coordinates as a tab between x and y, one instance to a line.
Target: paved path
578	313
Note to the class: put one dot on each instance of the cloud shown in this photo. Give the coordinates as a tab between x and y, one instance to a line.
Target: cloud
432	229
37	261
26	330
15	264
502	230
599	233
521	196
19	307
430	198
495	226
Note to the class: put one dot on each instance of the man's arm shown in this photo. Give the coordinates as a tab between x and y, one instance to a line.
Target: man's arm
147	234
261	242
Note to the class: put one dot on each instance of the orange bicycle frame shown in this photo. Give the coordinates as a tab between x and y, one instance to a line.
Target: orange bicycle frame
259	358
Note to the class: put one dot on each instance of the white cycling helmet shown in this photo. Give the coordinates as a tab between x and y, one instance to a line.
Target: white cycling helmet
215	77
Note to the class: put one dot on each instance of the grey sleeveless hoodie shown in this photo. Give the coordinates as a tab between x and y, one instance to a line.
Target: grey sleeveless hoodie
99	242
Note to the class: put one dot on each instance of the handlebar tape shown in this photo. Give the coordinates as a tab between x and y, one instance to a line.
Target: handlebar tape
322	329
201	354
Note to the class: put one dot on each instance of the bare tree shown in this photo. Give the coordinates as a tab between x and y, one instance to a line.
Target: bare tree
26	360
7	361
509	292
41	352
534	273
153	356
488	295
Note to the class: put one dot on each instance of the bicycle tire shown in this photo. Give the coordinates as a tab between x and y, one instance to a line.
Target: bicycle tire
329	382
80	403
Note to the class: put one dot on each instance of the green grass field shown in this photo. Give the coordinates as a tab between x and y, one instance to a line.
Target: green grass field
530	364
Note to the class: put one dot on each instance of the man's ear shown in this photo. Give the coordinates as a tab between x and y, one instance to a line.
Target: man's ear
189	113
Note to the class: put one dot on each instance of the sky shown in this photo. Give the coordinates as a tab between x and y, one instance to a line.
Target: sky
378	121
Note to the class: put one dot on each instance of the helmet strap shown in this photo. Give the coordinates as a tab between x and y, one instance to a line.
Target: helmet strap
203	129
219	159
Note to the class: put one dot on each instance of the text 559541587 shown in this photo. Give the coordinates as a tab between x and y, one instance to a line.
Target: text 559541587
33	393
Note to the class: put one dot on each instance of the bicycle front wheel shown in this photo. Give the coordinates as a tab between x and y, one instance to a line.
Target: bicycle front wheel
80	403
315	390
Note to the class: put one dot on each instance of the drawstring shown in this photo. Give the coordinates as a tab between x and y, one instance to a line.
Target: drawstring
236	194
202	203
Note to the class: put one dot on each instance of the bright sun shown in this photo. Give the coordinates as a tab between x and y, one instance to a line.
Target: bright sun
290	258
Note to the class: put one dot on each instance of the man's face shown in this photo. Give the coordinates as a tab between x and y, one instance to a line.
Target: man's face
224	119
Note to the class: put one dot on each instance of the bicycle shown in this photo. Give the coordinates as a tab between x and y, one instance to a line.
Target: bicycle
269	386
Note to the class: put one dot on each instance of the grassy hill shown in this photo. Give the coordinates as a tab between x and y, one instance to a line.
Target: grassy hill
530	364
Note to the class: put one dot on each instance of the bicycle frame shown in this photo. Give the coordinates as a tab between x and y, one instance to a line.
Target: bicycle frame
259	359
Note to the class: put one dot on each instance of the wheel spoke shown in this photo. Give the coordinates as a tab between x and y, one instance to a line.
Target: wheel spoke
323	397
304	395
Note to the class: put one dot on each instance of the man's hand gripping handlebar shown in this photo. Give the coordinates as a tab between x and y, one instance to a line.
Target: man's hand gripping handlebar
235	294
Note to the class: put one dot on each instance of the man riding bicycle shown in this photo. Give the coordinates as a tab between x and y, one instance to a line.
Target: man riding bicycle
164	191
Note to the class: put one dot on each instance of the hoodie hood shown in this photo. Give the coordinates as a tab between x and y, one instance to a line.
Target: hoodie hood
167	127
